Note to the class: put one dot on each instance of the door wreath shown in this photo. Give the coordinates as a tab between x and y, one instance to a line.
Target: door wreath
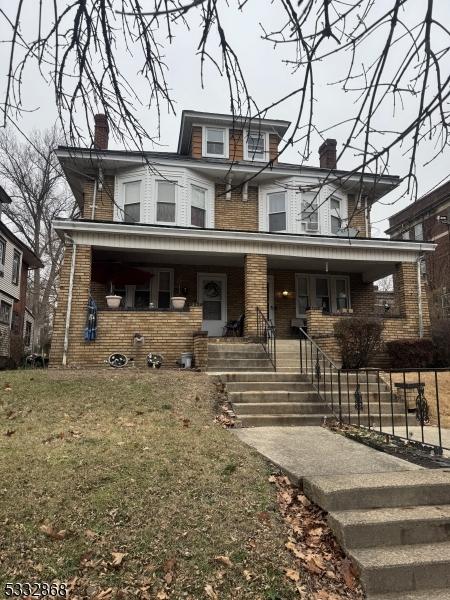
212	289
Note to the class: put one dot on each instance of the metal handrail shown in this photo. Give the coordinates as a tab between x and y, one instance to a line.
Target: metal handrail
266	336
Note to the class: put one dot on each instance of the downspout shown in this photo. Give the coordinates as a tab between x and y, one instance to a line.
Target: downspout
419	295
366	216
94	200
69	302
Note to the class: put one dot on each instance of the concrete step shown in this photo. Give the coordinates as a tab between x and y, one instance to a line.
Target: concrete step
219	355
403	568
279	408
391	526
220	370
280	420
238	362
434	594
233	346
267	386
405	488
274	376
263	397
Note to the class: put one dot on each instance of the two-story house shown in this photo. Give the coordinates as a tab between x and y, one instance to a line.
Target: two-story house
225	223
429	219
16	319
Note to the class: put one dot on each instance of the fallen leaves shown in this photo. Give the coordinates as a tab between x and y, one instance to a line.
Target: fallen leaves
209	590
320	565
225	560
117	558
53	533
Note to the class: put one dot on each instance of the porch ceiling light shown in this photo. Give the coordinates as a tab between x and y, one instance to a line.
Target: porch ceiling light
285	293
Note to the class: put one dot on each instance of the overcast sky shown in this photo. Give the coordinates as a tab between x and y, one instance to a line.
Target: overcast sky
267	76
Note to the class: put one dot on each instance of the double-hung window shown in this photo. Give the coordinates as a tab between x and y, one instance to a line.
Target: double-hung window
310	212
342	295
16	267
132	202
198	206
215	142
5	312
165	202
256	145
277	211
335	215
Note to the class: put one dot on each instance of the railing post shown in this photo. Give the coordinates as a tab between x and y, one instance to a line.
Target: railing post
340	396
436	387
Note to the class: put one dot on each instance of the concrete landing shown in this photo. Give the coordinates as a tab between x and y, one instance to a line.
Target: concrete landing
314	451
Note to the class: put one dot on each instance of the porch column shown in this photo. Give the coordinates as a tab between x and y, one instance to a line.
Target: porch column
255	275
408	298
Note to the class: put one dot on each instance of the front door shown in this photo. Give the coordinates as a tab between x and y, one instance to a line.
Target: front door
271	299
212	294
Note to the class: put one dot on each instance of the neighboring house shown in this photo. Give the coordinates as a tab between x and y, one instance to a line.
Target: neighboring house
211	223
16	320
429	219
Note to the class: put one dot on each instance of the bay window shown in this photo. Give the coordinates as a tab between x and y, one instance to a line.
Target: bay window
132	202
165	202
277	211
198	206
215	142
310	212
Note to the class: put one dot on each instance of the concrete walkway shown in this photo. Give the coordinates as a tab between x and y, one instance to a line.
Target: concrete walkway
314	451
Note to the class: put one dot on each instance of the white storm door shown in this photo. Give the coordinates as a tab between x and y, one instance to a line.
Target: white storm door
212	295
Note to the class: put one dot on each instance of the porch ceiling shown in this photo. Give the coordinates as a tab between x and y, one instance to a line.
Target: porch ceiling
369	270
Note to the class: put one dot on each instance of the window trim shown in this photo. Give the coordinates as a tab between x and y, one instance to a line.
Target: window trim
8	323
205	191
175	185
3	257
311	277
226	142
15	280
338	216
154	284
303	223
268	213
123	182
266	151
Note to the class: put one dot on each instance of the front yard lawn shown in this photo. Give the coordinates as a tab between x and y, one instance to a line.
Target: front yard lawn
120	483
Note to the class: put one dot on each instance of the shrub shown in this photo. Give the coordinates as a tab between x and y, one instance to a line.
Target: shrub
359	339
410	354
441	341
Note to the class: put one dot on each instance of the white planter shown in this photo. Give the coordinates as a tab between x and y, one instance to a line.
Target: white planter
113	301
178	302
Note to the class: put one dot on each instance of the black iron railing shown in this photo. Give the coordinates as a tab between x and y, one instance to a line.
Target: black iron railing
404	404
266	336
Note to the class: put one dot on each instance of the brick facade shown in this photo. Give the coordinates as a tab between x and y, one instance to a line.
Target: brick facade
357	217
233	213
104	201
255	269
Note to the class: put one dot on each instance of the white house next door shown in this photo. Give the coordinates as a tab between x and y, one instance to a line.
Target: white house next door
212	294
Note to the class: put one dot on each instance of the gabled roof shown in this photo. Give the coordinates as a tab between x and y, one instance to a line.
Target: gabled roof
4	198
28	255
193	117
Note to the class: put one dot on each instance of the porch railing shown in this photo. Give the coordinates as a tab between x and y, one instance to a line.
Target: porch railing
404	404
266	336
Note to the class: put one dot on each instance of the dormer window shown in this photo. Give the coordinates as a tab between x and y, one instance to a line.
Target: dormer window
256	146
215	143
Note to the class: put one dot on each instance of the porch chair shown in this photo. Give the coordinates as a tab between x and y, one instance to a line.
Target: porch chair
234	328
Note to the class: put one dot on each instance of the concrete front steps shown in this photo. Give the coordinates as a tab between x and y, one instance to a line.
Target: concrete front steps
273	399
395	527
237	356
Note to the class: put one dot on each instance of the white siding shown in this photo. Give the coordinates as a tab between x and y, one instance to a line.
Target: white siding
6	284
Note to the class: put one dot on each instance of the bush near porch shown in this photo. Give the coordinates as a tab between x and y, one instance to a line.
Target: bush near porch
121	480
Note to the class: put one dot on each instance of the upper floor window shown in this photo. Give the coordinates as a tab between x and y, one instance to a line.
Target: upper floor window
132	202
406	235
2	255
335	215
5	312
255	146
198	206
165	203
310	212
277	211
418	231
215	142
16	267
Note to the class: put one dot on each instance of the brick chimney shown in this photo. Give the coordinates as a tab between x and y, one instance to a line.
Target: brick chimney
101	132
327	154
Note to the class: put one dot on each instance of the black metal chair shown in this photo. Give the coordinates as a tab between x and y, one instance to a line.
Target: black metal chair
234	328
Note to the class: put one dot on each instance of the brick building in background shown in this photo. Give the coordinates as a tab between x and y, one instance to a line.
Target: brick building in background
211	224
16	320
429	219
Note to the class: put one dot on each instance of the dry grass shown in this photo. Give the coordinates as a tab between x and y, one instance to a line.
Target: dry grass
131	462
428	379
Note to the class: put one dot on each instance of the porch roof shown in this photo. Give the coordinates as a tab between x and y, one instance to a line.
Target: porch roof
374	257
